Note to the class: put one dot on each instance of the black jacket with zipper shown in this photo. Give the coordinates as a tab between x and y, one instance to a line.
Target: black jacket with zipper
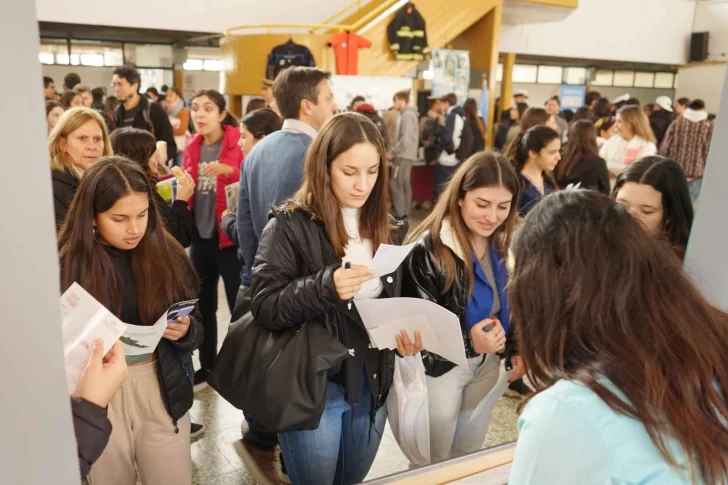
92	428
293	283
423	278
65	185
174	383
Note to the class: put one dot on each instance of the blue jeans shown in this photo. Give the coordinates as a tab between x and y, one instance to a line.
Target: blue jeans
442	176
341	451
694	187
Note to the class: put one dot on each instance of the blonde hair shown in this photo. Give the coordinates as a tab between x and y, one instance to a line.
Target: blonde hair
81	88
638	122
70	121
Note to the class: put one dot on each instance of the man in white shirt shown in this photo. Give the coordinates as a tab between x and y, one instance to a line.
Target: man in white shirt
454	123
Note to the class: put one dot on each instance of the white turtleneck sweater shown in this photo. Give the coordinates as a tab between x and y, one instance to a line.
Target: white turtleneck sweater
359	252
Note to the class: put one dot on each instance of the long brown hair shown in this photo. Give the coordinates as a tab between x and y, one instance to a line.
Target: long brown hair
470	107
135	145
533	117
582	145
637	121
159	263
594	296
315	196
484	169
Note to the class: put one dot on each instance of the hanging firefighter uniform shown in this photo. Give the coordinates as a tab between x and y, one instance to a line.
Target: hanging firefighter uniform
407	36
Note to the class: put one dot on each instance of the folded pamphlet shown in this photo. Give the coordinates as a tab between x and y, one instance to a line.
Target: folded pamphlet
140	341
231	197
83	321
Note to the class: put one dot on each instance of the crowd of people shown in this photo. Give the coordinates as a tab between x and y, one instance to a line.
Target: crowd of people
560	254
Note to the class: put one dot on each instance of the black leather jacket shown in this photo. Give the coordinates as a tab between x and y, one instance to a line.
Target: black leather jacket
424	279
292	283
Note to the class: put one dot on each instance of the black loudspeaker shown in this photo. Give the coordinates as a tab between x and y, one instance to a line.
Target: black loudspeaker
699	46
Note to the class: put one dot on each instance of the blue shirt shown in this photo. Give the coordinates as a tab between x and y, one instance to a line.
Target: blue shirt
481	302
271	173
568	435
530	196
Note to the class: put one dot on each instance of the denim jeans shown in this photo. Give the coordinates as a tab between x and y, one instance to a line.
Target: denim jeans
694	187
341	451
442	177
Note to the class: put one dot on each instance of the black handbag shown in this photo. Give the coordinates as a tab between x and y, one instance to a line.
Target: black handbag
278	378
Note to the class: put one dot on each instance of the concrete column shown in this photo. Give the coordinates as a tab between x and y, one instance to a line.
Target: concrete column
506	95
37	442
706	259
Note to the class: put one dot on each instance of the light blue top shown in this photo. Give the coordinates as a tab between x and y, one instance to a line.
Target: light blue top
568	435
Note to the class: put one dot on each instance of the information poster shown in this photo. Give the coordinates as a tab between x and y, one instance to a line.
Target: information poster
571	97
451	73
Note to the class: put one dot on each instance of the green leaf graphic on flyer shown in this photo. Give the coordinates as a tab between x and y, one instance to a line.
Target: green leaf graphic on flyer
133	343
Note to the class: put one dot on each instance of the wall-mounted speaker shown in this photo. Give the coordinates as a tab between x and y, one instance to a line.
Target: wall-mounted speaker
699	46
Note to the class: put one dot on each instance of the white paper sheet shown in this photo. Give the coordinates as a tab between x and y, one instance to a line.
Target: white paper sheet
439	328
388	258
83	321
141	341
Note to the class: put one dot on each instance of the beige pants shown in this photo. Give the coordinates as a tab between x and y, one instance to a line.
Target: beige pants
143	433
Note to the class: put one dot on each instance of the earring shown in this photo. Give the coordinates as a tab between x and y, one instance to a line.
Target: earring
96	232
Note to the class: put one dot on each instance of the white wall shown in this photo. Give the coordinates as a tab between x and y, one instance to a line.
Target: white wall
705	81
37	442
654	31
93	77
191	15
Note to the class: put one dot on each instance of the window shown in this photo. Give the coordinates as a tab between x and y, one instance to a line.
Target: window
193	65
212	65
575	75
149	55
624	79
46	58
525	73
98	54
51	49
644	79
603	78
550	74
664	80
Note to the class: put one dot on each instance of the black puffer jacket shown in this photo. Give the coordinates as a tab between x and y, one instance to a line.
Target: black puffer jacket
93	428
424	279
293	283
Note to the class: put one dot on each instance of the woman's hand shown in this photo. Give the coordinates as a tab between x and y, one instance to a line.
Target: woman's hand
103	375
405	347
176	331
215	169
348	281
185	184
491	341
519	368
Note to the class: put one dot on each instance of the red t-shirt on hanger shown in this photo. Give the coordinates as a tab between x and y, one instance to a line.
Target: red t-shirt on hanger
346	47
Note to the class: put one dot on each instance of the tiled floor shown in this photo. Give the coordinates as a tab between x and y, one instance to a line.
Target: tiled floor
215	461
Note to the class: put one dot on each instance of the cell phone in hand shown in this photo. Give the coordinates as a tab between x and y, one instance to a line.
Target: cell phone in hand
488	327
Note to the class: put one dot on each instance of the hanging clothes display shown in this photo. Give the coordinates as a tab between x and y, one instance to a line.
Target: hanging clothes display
286	55
346	47
407	35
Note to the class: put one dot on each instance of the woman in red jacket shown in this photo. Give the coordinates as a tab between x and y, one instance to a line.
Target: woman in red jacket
213	160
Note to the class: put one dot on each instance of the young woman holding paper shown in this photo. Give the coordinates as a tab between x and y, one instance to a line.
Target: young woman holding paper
117	249
213	160
338	216
459	263
631	378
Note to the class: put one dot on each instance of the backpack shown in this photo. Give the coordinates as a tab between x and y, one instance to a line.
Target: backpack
432	139
468	142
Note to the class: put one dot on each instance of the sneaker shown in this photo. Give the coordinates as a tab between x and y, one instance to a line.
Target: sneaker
519	389
257	462
196	430
200	380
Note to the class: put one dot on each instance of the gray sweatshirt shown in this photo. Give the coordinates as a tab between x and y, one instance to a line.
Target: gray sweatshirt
407	141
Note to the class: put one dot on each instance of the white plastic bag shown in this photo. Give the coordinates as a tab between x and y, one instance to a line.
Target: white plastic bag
407	404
